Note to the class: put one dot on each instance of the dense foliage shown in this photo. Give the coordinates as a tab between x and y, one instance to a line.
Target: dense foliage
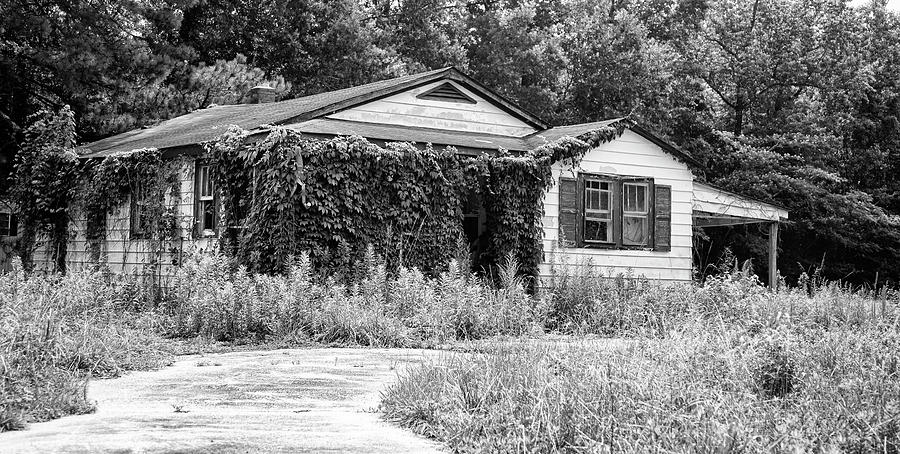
793	101
287	194
43	189
54	188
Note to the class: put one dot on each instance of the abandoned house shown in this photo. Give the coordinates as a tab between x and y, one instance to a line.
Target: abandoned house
631	204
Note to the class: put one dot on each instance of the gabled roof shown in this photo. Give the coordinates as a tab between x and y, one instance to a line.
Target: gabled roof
207	124
308	115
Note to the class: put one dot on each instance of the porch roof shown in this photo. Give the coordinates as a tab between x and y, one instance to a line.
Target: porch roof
713	206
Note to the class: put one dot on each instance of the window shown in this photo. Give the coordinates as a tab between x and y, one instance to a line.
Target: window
598	220
9	224
206	201
613	212
635	214
140	211
472	217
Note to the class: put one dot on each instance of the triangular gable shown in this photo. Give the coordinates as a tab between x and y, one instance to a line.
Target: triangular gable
443	104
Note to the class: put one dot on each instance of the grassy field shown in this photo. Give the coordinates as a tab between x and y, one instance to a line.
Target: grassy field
724	366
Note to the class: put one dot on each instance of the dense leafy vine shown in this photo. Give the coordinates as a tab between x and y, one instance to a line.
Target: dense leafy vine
287	193
43	185
108	183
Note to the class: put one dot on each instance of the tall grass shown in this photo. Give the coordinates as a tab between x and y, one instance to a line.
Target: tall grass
581	300
408	309
724	367
58	331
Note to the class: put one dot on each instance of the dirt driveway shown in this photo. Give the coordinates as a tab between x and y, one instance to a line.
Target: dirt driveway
296	400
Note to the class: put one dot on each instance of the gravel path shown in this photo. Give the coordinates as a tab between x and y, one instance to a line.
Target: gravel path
296	400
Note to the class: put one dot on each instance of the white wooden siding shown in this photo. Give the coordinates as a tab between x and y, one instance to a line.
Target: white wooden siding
404	109
120	252
629	155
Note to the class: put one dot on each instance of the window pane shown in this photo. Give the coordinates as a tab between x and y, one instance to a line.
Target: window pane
635	197
593	200
597	230
597	195
4	224
635	230
205	183
209	216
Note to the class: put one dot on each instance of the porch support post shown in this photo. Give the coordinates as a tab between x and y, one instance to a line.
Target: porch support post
773	256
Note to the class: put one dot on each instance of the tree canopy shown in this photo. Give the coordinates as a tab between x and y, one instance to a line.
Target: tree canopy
796	102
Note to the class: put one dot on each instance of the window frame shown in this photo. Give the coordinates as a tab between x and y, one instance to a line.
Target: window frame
137	198
611	211
200	230
618	211
11	221
646	214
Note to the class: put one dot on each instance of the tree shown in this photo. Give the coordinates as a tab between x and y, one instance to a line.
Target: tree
185	89
758	57
70	52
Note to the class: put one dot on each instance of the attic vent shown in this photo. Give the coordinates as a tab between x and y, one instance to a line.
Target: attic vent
446	92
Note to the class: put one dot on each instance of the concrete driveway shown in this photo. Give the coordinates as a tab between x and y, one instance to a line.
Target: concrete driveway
296	400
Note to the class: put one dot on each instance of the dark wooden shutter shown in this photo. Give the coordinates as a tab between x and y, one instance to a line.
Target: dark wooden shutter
662	225
569	215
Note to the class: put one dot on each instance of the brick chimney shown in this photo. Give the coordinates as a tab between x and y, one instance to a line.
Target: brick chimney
260	94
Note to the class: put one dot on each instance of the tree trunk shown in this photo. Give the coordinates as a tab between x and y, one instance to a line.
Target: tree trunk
738	120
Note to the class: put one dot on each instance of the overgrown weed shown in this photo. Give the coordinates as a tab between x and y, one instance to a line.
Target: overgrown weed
728	366
58	331
408	309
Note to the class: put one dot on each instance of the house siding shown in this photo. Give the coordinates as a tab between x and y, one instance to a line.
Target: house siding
124	254
405	109
629	155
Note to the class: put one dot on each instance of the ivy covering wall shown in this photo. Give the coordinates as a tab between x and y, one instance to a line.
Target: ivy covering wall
286	193
283	194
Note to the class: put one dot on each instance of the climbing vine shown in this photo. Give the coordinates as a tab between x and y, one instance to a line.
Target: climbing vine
108	183
43	184
287	193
